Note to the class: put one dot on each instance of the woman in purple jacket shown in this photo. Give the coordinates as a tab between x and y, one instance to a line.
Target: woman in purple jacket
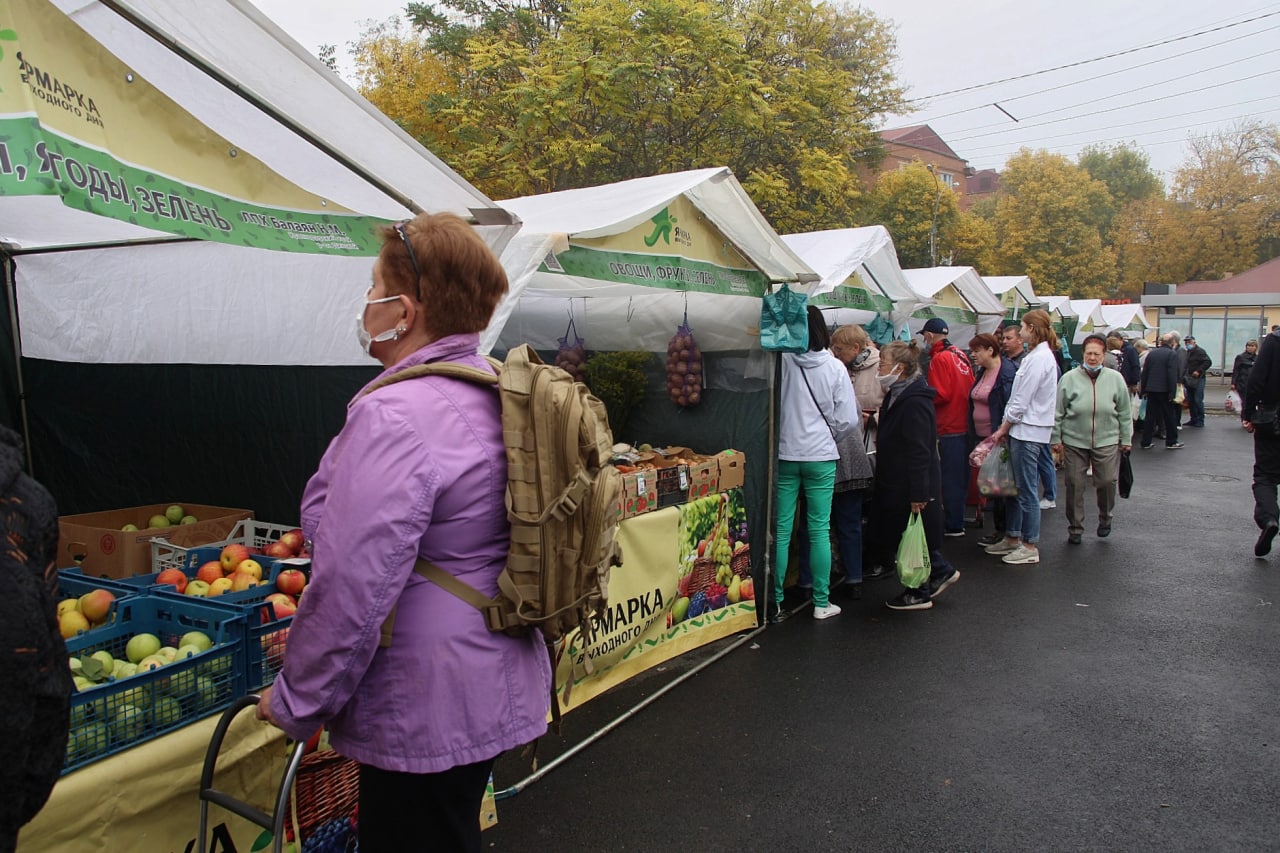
419	470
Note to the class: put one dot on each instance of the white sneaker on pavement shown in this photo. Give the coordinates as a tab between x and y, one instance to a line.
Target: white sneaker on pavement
826	612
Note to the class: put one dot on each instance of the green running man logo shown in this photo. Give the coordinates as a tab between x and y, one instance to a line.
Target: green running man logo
7	35
662	224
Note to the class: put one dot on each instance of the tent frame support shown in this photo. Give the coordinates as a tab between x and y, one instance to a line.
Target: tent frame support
10	292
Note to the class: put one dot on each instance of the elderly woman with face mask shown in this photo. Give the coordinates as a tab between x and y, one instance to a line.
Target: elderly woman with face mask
1093	427
418	471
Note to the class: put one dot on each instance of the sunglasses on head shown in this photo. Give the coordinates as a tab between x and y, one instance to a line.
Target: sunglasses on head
413	259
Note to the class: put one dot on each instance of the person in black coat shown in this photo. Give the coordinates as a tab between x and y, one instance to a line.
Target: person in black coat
1240	370
1263	391
908	472
35	681
1130	365
1193	378
1158	384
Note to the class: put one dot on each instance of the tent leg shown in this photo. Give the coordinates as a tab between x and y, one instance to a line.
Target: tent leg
10	289
508	793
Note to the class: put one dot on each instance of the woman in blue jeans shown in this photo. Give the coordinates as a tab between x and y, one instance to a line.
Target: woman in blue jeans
1028	423
816	410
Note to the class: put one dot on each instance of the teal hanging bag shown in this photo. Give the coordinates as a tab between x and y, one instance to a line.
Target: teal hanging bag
784	321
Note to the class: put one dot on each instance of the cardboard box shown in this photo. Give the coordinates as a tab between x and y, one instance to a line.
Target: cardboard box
673	484
95	542
704	477
733	469
639	493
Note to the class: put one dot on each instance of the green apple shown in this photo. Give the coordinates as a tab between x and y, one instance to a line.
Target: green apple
151	662
169	653
127	670
138	697
158	521
188	519
199	639
141	646
86	740
166	712
175	514
127	724
188	651
75	665
82	683
108	662
218	666
80	714
129	528
207	692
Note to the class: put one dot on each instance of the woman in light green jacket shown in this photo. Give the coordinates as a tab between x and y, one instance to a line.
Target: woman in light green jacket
1093	427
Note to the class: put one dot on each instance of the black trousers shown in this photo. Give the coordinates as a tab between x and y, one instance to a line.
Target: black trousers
1266	476
1160	411
422	811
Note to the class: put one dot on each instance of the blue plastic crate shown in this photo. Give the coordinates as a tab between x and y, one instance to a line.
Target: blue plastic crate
264	634
113	716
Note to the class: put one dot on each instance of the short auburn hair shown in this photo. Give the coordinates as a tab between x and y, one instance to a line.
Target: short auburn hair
1041	327
462	280
985	341
851	334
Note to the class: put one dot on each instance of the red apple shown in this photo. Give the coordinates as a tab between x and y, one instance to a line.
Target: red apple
96	605
278	550
291	581
240	581
294	539
232	556
177	577
210	571
281	605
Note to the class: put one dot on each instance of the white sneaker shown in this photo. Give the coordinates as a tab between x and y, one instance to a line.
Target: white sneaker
1002	547
1022	556
1045	503
826	612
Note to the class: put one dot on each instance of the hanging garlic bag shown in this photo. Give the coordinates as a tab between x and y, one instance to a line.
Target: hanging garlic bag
572	355
684	367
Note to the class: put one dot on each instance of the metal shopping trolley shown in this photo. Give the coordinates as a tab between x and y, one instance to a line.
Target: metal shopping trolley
316	798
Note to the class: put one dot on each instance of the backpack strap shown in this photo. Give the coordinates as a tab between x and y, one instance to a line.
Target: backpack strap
441	368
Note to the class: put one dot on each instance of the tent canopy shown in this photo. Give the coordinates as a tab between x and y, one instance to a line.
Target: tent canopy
1014	292
1089	312
1129	319
623	259
861	278
204	115
959	297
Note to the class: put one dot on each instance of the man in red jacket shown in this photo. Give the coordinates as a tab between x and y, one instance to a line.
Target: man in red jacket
951	376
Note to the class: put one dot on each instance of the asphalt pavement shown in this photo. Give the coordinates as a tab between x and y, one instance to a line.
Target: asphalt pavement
1124	694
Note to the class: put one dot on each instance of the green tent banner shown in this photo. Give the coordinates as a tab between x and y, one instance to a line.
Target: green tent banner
670	272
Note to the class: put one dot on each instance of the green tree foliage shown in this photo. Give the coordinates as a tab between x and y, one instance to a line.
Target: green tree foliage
548	96
1048	222
904	202
1126	170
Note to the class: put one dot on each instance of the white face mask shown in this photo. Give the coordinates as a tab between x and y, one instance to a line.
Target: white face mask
887	379
362	334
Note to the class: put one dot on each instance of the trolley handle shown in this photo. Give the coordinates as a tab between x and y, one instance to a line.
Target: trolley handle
208	794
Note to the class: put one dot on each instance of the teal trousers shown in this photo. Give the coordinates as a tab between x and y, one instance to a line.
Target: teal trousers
817	480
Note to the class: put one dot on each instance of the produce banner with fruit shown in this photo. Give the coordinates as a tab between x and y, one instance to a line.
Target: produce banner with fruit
77	123
685	581
145	798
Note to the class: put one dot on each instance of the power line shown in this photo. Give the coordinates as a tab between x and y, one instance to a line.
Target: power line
1196	73
1121	107
979	151
1077	64
1124	70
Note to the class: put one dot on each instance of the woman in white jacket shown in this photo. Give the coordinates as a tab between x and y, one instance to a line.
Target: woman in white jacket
817	410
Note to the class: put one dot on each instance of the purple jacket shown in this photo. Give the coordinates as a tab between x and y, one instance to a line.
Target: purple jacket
418	469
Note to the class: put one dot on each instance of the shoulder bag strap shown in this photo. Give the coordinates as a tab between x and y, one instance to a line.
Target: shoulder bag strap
804	374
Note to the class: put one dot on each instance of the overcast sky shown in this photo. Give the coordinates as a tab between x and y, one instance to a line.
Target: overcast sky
1155	95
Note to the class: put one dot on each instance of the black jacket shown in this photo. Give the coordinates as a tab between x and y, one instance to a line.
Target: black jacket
35	682
907	470
1160	372
1240	371
1198	361
1130	364
1264	379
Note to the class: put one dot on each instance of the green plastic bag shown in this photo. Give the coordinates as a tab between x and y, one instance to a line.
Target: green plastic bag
913	554
784	321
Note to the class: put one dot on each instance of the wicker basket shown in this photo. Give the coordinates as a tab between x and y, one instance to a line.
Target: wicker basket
704	575
327	787
741	563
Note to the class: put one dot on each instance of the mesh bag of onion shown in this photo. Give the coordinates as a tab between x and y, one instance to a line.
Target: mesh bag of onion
572	355
684	368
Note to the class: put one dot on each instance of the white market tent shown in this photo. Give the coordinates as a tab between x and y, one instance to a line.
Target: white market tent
1091	319
1014	292
861	277
960	297
627	261
189	203
1129	319
215	104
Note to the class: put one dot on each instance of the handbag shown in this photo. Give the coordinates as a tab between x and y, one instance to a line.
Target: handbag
913	554
1126	475
784	321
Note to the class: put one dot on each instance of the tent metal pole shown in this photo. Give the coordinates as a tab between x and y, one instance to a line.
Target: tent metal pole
508	793
10	290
